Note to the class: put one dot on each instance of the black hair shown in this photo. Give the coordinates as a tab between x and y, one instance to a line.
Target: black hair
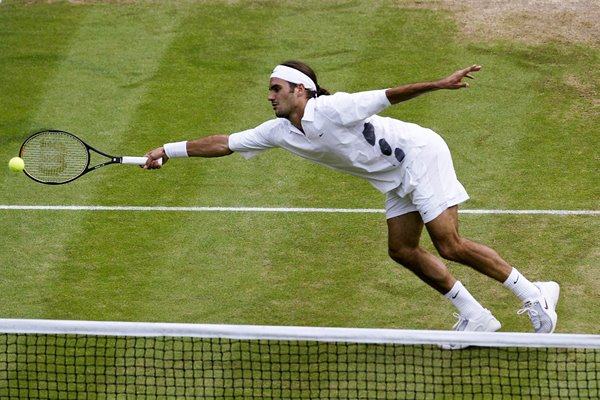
308	71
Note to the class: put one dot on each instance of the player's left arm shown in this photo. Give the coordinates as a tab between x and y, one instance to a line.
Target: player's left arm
455	81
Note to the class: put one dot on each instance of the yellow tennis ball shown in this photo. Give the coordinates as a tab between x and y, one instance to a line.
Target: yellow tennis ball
16	164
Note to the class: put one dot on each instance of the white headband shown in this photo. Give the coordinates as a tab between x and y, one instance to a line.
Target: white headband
293	75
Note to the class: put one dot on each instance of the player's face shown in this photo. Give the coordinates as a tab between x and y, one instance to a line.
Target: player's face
283	97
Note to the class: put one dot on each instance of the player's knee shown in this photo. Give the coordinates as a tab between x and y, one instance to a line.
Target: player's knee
450	250
401	255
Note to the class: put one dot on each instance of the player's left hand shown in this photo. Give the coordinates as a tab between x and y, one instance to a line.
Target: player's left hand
455	81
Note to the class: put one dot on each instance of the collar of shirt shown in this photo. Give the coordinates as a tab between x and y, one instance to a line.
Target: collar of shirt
309	116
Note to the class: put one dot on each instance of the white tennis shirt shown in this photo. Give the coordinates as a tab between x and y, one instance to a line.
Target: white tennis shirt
343	132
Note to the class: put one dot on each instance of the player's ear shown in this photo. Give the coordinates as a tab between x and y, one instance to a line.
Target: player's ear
300	89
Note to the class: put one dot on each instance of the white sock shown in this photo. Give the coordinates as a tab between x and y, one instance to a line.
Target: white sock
468	307
520	286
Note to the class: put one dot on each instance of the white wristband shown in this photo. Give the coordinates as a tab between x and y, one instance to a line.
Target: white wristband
176	150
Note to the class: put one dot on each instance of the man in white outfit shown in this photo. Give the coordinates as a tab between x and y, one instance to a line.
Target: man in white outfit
412	165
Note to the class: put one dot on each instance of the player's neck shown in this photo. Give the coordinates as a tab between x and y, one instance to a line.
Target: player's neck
296	116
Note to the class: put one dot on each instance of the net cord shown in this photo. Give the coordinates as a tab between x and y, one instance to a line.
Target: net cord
299	333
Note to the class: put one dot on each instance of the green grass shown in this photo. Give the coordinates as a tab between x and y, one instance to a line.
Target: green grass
129	77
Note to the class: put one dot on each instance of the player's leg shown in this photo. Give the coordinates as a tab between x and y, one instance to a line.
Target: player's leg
404	232
539	298
444	234
435	191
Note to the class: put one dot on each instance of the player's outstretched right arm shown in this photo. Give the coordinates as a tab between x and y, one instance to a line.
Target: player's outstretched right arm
209	146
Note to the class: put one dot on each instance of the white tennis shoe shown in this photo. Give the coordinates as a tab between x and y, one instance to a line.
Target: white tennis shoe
542	311
485	322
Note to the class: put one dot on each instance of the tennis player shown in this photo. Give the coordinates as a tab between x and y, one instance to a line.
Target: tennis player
412	165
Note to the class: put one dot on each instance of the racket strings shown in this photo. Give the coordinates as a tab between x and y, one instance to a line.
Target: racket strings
54	157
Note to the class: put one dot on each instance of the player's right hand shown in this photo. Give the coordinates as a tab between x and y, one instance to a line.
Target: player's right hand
153	158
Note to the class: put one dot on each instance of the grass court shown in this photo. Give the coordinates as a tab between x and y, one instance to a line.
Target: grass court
128	76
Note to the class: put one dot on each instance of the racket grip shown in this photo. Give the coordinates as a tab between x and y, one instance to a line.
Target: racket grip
137	160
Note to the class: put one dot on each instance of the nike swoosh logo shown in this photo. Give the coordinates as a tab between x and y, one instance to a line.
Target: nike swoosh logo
456	294
515	282
546	304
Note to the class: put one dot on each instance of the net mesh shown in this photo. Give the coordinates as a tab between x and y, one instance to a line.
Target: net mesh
91	366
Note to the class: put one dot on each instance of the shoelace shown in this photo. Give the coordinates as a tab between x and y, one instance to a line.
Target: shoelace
461	321
533	314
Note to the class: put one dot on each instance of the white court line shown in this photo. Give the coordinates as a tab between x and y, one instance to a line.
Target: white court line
281	209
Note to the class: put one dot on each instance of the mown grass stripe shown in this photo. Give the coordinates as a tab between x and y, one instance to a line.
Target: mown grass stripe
95	91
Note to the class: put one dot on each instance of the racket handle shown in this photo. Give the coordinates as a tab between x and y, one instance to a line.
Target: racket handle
137	160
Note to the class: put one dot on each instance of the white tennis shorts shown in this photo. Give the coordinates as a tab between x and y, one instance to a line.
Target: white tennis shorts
429	186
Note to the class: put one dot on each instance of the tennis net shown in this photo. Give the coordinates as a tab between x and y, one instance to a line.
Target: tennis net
45	359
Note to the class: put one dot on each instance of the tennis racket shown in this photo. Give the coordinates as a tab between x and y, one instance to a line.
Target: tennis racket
55	157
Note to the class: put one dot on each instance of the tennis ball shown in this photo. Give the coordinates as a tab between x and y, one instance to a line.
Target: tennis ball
16	164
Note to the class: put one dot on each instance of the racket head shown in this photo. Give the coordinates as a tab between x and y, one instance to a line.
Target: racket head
54	157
